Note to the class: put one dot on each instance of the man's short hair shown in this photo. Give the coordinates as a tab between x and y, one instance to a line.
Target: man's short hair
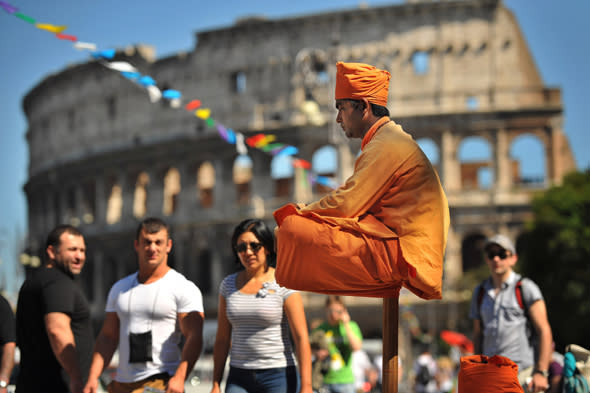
152	225
377	110
54	237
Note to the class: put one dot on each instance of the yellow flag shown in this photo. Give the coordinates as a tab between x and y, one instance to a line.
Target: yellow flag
203	113
50	28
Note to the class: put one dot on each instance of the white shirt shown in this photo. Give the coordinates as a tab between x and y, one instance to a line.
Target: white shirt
155	307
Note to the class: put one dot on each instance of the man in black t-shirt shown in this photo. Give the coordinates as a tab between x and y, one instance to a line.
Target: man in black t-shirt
7	343
54	331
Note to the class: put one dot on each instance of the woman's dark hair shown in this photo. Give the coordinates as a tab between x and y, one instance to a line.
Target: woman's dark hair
262	232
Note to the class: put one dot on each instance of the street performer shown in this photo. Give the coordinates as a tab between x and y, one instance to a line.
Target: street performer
386	227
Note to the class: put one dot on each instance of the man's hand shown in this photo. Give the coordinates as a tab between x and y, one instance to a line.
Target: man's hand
539	383
344	316
91	386
175	385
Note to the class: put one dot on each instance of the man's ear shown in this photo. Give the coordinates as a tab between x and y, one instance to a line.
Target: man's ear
367	106
51	252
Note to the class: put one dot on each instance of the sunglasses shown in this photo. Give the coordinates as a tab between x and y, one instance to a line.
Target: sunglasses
502	254
255	247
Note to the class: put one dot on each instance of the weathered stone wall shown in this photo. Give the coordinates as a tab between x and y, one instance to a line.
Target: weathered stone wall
102	156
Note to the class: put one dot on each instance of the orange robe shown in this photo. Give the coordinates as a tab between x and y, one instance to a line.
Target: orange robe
384	228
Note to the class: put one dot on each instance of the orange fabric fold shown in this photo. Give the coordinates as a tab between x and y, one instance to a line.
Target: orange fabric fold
391	213
482	374
358	265
357	80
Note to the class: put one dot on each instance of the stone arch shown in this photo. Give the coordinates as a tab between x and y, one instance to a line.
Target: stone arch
471	251
242	177
432	151
70	215
324	162
205	184
88	202
527	153
140	195
476	163
114	202
172	188
281	171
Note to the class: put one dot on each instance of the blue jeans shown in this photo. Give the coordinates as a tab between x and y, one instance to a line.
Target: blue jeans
268	380
341	388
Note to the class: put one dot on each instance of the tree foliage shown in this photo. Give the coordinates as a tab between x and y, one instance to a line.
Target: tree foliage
556	255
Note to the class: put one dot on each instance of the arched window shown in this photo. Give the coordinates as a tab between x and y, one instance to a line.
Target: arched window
140	195
242	176
420	62
114	204
477	170
528	161
281	171
205	184
171	190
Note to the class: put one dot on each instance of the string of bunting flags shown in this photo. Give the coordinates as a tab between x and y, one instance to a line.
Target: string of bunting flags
264	142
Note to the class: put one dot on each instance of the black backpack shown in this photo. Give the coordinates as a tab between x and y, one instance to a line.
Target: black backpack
423	376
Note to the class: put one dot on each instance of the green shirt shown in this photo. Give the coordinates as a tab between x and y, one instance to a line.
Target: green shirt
340	352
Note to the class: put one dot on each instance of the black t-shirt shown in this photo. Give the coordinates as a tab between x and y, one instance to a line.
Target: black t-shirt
49	290
7	324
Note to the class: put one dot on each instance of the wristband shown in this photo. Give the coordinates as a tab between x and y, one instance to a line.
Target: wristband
544	373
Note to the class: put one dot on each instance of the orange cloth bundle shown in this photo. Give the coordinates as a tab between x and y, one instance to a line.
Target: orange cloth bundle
483	374
386	227
357	80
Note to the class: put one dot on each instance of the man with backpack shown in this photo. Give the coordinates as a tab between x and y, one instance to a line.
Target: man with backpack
510	317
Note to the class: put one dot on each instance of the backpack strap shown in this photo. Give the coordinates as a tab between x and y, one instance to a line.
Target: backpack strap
480	293
518	293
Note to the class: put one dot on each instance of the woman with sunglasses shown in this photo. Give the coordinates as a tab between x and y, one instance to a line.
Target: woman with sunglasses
253	320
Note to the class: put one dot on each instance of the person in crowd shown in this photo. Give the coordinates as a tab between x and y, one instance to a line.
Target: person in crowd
147	315
7	343
506	309
53	326
320	359
386	226
361	365
555	371
445	374
425	369
253	321
344	337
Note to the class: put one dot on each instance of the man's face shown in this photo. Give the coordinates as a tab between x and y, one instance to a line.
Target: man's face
69	255
153	248
350	118
499	260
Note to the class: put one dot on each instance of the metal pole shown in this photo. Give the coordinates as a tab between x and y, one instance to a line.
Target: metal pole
390	344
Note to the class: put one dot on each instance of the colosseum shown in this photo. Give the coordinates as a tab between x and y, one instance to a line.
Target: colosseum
103	156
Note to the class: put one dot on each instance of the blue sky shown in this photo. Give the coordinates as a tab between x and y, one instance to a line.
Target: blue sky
556	32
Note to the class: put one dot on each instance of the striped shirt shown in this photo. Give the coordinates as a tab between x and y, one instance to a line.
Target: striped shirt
260	330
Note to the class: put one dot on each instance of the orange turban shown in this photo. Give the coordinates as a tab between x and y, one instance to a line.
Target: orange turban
357	80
